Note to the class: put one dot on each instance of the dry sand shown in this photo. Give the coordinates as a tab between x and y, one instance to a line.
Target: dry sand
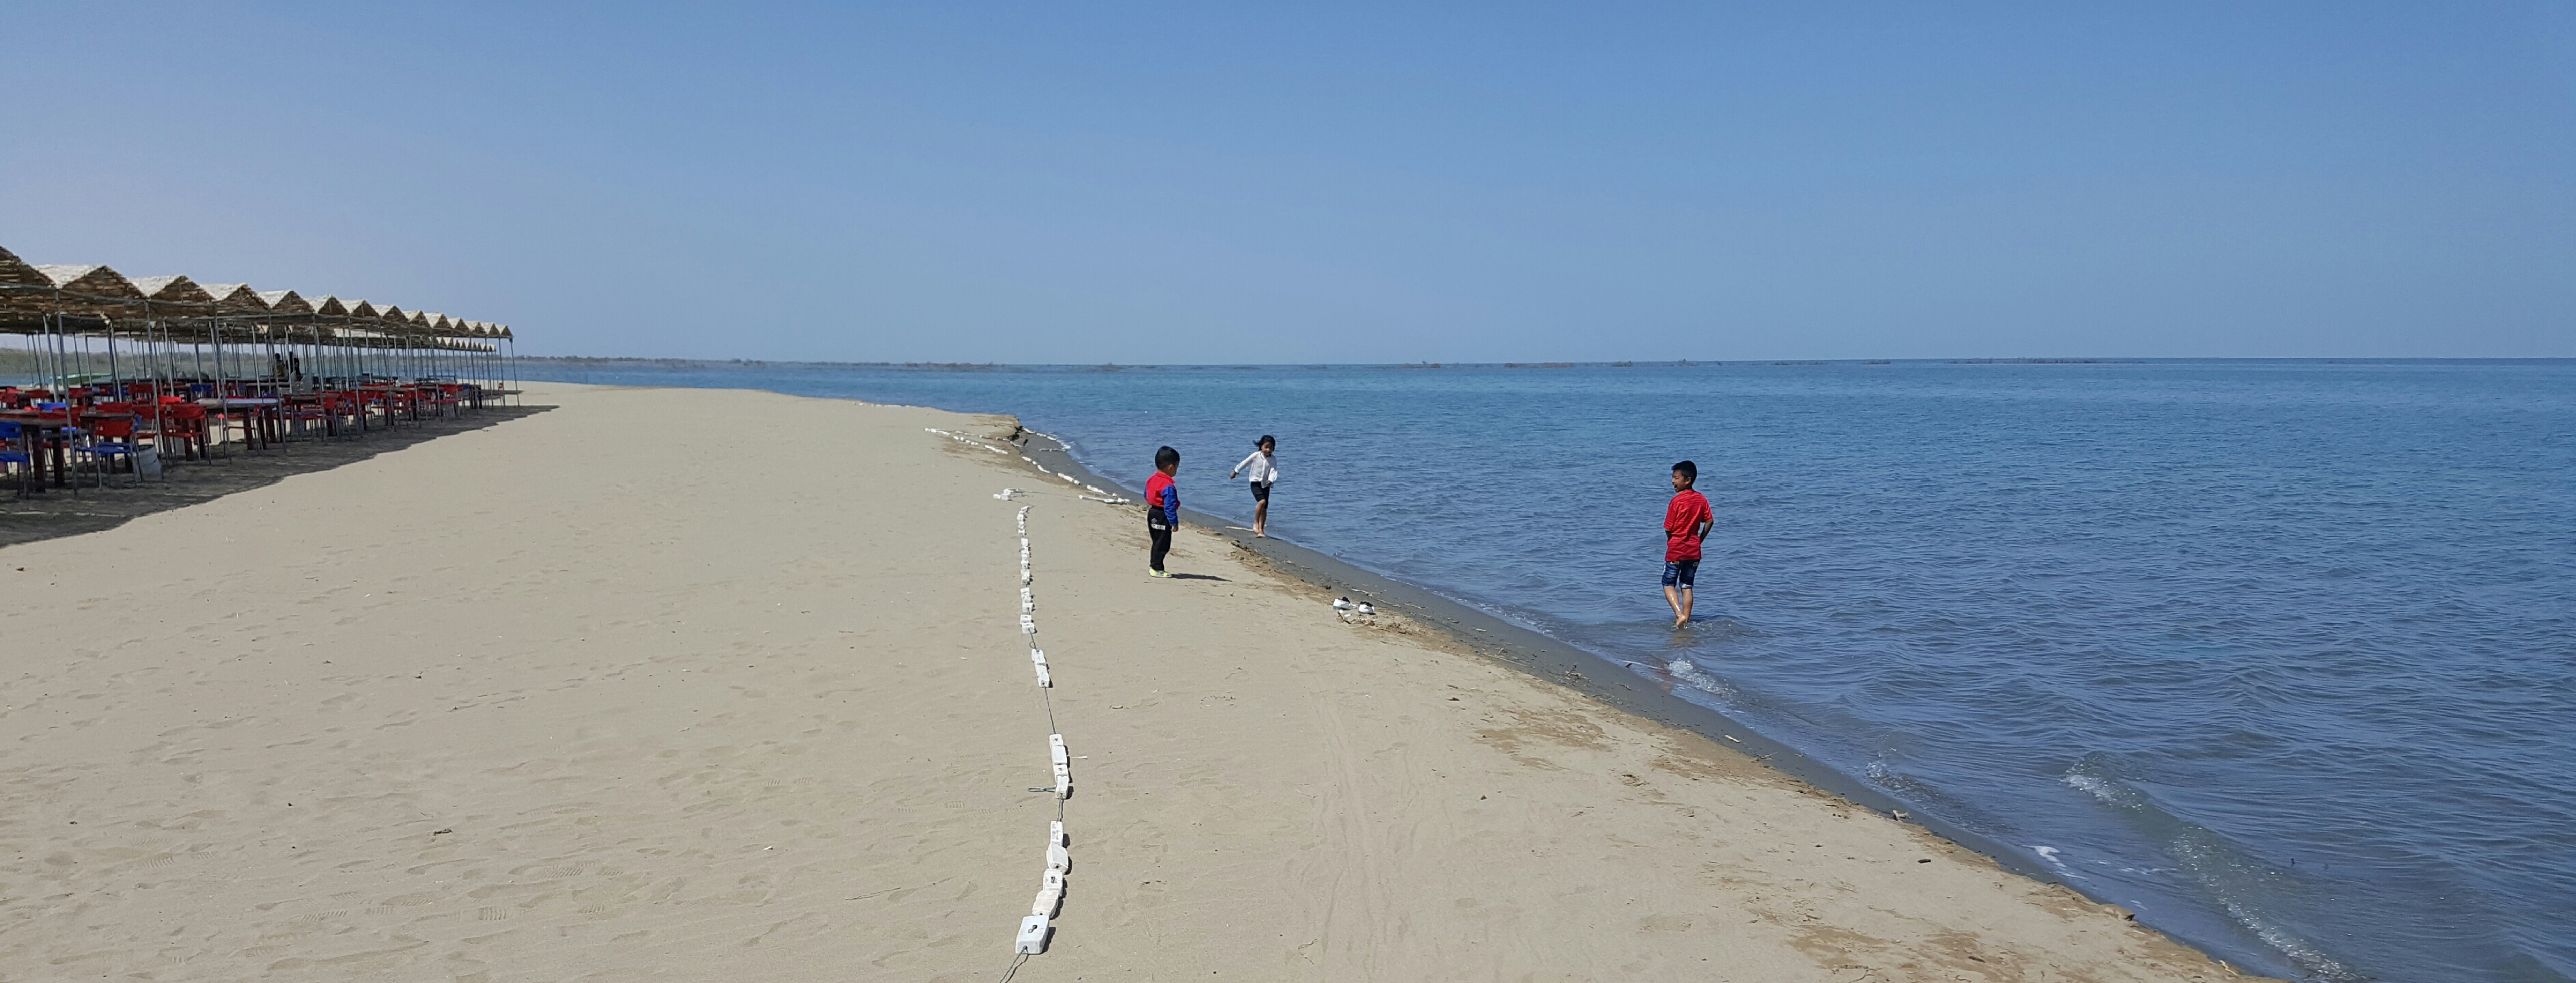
699	685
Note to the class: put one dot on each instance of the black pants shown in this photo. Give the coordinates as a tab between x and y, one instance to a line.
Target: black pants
1162	538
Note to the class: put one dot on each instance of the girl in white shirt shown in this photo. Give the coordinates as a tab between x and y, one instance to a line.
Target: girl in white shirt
1263	466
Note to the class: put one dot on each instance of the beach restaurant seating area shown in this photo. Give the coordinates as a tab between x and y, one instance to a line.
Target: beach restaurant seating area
103	375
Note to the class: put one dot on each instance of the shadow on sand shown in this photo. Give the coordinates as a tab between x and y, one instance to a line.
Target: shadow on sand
58	512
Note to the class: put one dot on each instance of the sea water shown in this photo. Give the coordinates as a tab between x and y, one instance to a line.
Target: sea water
2281	655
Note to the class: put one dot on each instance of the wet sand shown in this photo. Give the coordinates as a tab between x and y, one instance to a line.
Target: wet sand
707	685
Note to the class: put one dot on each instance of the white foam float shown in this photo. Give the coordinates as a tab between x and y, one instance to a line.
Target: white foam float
1058	859
1044	681
1024	575
1032	939
1055	749
1052	880
1028	602
1063	782
1028	625
1046	904
1055	832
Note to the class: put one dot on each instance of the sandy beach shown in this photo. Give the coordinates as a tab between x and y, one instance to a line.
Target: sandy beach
722	685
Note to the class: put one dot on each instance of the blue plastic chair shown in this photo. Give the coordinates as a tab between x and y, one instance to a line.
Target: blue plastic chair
102	452
10	436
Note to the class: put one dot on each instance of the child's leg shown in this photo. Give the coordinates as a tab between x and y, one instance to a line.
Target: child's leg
1684	609
1260	516
1162	545
1673	596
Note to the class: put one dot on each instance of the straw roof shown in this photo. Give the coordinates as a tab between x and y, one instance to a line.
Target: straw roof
328	305
15	272
172	290
237	298
91	281
362	309
285	302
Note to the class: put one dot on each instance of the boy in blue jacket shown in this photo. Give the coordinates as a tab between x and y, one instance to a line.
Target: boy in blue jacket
1162	508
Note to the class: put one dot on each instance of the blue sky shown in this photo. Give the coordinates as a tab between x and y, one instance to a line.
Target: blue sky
1304	183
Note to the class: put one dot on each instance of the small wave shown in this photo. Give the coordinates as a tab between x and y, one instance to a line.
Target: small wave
1685	671
2224	873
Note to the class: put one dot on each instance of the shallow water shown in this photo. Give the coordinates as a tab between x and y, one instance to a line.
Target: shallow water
2281	655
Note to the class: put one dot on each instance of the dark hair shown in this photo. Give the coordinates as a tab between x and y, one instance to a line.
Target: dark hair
1165	457
1266	439
1688	471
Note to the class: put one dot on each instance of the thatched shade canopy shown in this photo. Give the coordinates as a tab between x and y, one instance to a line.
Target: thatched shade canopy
362	310
172	290
328	306
285	302
91	281
237	298
15	272
90	290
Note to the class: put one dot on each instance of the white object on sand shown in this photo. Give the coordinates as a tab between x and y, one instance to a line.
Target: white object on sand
1046	904
1055	831
1052	880
1341	604
1367	608
1032	939
1028	625
1008	494
1058	859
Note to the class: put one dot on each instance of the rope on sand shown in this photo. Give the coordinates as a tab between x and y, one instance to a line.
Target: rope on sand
1036	929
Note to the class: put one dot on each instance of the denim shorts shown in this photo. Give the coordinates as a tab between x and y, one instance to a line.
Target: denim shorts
1680	573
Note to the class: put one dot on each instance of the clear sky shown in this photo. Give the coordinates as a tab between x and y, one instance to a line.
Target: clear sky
1092	182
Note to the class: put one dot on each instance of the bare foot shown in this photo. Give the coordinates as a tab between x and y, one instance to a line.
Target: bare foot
1681	622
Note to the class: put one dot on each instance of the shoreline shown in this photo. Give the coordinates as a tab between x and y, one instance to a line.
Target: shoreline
1554	661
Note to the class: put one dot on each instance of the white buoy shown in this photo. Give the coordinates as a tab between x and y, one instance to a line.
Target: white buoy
1052	880
1055	749
1032	939
1028	625
1055	832
1063	782
1058	859
1044	681
1046	904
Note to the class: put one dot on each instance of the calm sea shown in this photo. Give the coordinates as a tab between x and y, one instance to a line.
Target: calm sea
2280	654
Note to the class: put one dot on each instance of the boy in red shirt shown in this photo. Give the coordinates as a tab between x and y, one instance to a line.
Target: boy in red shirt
1686	522
1162	509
